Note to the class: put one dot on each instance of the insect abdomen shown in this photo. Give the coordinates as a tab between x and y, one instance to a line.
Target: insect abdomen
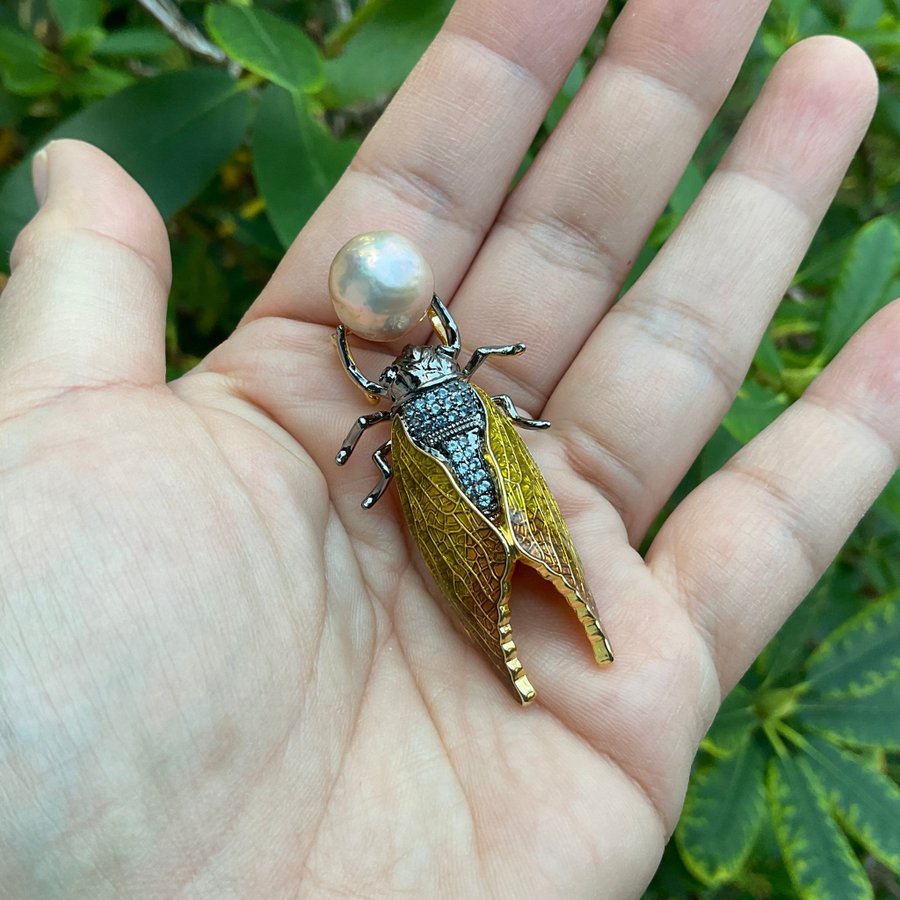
448	422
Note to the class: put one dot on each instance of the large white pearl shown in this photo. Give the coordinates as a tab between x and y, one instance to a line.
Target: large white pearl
380	285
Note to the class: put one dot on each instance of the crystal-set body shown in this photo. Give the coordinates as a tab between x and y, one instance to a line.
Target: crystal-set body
472	496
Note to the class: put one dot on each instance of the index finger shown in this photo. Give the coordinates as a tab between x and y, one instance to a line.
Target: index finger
439	162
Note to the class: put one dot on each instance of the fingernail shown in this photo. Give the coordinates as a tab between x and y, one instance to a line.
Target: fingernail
40	175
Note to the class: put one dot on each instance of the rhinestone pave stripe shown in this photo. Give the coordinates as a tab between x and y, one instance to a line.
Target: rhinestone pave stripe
448	421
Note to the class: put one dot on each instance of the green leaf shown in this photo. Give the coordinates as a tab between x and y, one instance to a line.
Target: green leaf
863	13
767	358
296	161
266	45
867	802
25	64
888	504
76	15
573	82
687	189
79	47
98	81
818	857
171	133
862	654
861	288
869	721
733	725
137	41
383	52
754	408
723	811
12	109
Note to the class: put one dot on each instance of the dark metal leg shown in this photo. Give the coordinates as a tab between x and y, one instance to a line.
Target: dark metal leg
441	320
373	389
378	457
505	403
482	353
359	426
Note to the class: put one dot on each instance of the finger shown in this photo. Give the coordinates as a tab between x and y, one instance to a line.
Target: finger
744	548
86	300
662	368
439	162
567	236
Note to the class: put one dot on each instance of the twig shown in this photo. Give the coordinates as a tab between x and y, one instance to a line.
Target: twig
167	13
343	12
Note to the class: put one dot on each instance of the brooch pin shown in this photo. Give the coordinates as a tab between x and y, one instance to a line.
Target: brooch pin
472	496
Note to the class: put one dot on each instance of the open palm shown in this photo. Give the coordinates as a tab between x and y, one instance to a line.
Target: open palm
221	678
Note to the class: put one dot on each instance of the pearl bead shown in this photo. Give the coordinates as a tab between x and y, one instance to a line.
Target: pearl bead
380	285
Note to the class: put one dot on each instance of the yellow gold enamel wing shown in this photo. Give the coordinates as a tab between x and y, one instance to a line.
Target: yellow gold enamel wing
473	498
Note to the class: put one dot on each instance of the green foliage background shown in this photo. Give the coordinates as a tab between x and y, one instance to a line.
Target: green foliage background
794	791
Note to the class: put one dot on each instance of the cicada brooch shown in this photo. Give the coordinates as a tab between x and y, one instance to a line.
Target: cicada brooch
473	498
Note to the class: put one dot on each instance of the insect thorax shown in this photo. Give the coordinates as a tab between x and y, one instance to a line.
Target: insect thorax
448	421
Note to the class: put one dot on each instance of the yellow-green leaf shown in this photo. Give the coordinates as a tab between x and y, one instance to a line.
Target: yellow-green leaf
723	811
867	801
869	721
266	45
816	853
862	654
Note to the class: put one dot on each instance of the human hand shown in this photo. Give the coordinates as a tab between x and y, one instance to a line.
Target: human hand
221	678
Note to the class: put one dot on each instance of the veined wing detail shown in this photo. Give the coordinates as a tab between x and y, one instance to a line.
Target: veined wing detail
469	557
536	524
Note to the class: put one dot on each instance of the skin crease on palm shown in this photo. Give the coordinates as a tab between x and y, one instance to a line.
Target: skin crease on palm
220	678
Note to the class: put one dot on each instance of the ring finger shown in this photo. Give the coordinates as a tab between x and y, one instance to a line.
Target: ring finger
567	236
661	369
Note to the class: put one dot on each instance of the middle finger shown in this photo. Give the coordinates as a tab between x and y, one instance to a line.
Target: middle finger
569	233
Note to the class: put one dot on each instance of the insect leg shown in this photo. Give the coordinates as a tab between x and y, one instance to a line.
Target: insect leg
359	426
482	353
372	388
387	474
505	403
445	325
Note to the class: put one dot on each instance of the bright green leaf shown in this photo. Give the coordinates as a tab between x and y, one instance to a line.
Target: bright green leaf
733	725
25	64
867	802
859	656
818	857
753	409
861	288
76	15
296	161
138	41
171	133
687	189
573	82
381	54
869	721
266	45
723	811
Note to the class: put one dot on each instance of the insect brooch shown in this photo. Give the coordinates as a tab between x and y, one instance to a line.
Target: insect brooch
472	496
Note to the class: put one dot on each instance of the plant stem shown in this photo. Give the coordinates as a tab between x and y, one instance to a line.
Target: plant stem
334	42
